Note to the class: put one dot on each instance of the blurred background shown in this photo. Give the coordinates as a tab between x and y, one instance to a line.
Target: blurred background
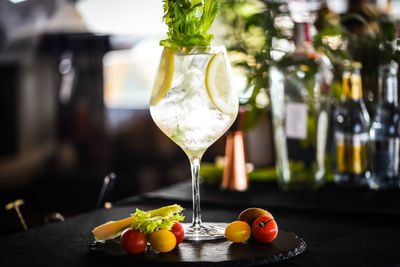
76	77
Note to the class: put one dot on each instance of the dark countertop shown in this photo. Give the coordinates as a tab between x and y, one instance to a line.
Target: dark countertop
340	227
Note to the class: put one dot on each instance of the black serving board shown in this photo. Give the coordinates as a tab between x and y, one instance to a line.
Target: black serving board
206	253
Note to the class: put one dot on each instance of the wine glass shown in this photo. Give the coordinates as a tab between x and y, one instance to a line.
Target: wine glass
194	103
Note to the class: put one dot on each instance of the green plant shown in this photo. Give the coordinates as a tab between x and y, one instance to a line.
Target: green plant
365	35
250	35
371	43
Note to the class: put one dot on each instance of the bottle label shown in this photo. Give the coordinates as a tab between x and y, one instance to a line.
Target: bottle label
296	120
351	152
322	130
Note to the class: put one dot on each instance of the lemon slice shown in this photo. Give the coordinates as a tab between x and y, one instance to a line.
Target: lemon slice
219	86
165	73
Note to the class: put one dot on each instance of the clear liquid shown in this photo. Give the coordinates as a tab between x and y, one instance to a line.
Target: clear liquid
385	164
385	148
186	113
300	140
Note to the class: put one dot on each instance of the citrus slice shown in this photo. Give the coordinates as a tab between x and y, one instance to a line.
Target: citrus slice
165	73
219	86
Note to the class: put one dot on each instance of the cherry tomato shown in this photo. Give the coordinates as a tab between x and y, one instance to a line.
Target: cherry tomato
264	229
178	231
238	231
163	240
133	241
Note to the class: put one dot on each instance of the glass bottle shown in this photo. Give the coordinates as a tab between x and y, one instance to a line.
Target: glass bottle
299	87
385	138
351	128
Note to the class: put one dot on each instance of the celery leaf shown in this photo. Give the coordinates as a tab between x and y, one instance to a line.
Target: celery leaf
188	22
161	219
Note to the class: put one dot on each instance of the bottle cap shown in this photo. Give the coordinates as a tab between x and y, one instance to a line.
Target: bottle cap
356	65
350	64
389	68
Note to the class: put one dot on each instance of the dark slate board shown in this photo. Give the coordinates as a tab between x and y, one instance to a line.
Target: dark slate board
210	253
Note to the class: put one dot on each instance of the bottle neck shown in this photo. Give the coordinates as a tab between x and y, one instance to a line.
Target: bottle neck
351	85
302	36
388	84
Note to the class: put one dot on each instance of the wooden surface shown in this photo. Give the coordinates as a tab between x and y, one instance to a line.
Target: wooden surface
209	253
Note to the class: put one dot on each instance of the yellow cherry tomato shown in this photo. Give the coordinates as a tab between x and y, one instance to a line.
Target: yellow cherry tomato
163	240
238	231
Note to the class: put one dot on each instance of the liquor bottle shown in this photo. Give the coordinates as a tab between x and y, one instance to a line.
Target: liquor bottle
385	138
299	88
351	128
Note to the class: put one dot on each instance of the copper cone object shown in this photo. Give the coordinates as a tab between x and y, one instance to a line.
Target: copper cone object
235	177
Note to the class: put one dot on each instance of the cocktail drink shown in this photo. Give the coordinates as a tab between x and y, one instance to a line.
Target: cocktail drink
193	102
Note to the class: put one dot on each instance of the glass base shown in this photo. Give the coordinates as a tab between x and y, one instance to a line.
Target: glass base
207	231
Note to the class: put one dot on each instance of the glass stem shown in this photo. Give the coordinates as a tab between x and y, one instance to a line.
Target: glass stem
195	167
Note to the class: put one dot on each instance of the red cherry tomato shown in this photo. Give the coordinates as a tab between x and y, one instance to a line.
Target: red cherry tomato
133	241
178	231
264	229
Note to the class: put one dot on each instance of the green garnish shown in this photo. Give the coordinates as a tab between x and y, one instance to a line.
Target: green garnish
188	22
263	223
177	134
161	219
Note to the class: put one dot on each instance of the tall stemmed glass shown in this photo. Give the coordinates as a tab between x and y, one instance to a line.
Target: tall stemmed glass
194	103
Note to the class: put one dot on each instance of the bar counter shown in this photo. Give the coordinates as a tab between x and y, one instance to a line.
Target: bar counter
348	227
